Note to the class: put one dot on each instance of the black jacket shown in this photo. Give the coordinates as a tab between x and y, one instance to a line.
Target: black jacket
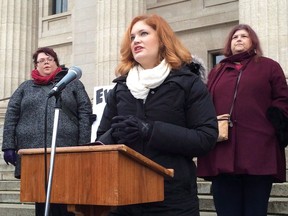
185	126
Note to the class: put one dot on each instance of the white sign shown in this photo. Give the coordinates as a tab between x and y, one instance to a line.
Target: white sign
99	102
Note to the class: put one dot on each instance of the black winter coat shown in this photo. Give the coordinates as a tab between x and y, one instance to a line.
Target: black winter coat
185	126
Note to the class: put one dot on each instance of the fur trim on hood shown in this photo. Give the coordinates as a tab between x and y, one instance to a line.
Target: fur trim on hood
198	67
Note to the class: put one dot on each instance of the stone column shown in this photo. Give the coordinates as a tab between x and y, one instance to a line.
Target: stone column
18	39
270	21
112	20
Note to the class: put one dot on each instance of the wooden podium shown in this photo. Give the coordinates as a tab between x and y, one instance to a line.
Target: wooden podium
92	179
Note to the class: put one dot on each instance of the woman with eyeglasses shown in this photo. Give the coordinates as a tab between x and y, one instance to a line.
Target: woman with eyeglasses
24	125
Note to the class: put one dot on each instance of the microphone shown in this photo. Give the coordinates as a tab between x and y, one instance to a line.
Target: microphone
73	73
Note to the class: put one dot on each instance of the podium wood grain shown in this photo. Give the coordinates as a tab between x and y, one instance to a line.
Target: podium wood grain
105	176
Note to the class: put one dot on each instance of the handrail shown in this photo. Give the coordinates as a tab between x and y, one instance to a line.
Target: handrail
3	99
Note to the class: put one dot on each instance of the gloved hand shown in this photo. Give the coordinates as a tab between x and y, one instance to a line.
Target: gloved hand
276	117
10	156
280	122
92	118
130	129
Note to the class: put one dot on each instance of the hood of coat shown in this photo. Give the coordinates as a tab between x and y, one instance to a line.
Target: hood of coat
198	67
61	74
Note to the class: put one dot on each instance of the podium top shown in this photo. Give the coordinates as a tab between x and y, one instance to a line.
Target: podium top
104	148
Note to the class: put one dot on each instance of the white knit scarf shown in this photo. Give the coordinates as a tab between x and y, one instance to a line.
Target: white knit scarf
140	81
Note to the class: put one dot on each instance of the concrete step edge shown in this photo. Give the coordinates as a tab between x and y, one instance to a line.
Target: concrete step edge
17	205
276	205
278	189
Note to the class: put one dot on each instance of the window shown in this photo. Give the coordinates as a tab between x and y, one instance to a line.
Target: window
216	58
59	6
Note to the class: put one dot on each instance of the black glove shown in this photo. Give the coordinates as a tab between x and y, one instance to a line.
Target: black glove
276	117
92	118
130	129
280	122
10	156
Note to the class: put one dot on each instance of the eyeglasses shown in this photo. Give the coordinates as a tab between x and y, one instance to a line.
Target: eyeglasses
43	60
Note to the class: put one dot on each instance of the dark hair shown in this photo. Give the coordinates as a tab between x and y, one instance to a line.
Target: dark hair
48	51
252	34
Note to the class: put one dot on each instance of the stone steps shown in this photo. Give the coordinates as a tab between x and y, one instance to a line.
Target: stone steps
278	203
10	204
17	209
9	185
278	189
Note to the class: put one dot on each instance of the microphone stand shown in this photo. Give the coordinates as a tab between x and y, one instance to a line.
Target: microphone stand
58	106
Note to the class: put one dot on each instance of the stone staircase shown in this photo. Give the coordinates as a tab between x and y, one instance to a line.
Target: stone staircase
278	202
10	204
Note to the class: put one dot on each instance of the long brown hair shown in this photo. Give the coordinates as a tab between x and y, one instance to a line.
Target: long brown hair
171	48
252	34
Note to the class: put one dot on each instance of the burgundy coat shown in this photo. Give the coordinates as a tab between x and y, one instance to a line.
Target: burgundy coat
252	147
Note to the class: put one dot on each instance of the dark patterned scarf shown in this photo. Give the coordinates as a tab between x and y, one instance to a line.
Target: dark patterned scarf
240	57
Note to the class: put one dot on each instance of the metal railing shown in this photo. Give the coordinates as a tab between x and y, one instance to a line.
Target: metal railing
4	99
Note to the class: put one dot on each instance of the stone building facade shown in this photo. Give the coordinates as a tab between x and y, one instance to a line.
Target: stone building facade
88	33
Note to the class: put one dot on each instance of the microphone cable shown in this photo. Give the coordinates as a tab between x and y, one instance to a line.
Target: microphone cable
45	145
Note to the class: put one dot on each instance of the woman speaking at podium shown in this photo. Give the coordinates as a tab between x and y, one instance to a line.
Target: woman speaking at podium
161	108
